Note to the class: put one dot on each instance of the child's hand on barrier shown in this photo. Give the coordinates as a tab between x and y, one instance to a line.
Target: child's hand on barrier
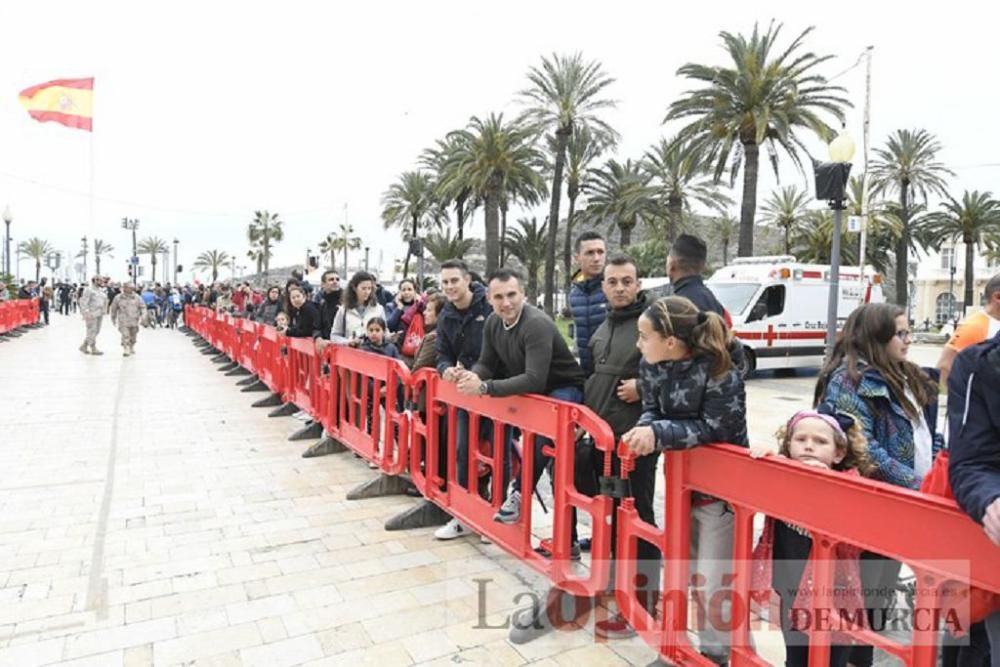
758	451
640	440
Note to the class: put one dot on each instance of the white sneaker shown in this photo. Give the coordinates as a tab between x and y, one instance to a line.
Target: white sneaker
451	530
510	511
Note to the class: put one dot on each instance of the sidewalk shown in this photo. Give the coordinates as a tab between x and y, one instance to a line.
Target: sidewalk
149	515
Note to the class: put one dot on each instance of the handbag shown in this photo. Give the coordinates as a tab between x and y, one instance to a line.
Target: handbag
414	336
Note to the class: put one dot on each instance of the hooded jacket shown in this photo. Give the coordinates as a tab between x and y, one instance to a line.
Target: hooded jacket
352	321
460	332
974	427
615	358
329	303
589	307
267	312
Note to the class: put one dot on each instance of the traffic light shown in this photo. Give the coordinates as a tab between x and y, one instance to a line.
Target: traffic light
180	268
129	269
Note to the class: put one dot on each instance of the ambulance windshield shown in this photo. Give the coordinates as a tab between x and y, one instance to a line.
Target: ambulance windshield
735	297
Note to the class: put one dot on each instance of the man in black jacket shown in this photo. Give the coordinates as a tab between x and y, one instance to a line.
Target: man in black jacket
329	302
974	445
685	263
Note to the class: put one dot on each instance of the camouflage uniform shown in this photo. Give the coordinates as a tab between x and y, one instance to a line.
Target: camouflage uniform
93	305
126	312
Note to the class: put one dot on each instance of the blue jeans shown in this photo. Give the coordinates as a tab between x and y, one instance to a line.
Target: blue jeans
570	395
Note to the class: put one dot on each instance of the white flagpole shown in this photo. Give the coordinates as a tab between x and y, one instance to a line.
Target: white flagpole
93	214
866	184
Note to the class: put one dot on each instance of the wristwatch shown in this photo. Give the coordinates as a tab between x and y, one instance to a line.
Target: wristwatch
483	389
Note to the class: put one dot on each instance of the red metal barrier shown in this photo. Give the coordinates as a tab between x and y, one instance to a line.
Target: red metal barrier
534	416
835	509
302	366
364	382
272	360
18	313
248	343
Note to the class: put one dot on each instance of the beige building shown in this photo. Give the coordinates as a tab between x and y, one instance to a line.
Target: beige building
938	284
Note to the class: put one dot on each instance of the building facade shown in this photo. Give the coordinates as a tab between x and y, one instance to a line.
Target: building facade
938	284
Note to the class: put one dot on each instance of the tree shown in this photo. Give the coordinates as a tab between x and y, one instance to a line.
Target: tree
650	256
582	149
621	195
329	245
813	241
565	93
256	255
973	220
725	230
527	243
347	241
495	159
908	166
36	249
443	247
211	260
680	174
766	95
786	209
449	188
153	246
264	231
410	204
101	248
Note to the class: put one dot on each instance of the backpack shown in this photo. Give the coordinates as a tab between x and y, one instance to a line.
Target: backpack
414	336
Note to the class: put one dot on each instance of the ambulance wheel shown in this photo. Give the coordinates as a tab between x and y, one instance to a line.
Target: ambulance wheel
748	365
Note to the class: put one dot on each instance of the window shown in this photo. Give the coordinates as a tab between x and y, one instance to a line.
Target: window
947	258
945	307
770	303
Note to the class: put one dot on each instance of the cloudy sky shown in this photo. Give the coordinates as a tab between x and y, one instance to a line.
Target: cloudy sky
205	111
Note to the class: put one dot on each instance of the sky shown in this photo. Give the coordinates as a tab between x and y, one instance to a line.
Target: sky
206	111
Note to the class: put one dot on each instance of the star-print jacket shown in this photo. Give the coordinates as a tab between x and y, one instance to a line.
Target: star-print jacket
687	407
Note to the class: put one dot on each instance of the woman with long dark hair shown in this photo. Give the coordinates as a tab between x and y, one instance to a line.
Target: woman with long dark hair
268	310
303	315
895	401
360	306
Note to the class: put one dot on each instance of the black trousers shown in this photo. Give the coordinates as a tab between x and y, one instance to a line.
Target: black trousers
879	576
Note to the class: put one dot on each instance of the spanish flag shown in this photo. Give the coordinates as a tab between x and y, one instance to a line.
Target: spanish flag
66	101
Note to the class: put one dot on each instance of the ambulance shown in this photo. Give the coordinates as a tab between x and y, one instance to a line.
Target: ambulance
779	307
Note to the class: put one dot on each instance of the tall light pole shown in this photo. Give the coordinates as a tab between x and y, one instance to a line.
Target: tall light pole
132	224
831	179
951	282
83	253
175	261
366	260
7	219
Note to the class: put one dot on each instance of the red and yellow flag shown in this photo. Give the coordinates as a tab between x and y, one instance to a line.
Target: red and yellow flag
66	101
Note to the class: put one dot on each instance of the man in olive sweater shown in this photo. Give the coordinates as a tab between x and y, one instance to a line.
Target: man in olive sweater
522	353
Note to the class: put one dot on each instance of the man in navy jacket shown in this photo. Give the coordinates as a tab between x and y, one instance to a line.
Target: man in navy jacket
974	444
586	297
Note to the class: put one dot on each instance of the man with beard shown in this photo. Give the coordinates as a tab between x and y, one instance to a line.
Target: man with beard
330	296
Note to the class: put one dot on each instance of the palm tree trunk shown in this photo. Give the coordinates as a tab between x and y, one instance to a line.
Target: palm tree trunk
970	257
152	260
97	262
751	160
492	230
562	138
568	246
788	240
503	231
725	253
406	264
345	255
215	273
460	215
38	270
533	284
675	209
903	248
626	238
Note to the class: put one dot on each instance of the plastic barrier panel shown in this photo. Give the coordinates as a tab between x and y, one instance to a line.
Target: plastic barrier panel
835	509
272	359
249	334
528	417
18	313
372	393
303	374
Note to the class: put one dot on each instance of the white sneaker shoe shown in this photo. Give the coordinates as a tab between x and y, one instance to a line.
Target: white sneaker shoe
451	530
510	511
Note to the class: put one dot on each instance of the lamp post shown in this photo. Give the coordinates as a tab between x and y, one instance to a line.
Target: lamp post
7	219
175	261
951	282
132	225
366	260
83	253
831	179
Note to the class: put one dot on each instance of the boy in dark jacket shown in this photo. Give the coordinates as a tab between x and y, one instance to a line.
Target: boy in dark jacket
587	301
974	444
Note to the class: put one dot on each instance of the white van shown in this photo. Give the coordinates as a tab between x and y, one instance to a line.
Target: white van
779	307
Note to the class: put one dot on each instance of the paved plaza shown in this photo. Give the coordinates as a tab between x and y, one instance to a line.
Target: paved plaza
149	515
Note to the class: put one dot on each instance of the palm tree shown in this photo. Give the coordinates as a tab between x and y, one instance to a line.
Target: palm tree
347	241
528	245
908	166
265	230
681	174
153	246
725	230
212	260
813	241
448	189
256	255
620	194
101	248
973	220
764	96
494	159
329	245
410	204
565	93
443	247
787	209
582	149
884	227
36	249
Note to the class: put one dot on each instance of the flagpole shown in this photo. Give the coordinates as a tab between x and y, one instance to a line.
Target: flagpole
93	214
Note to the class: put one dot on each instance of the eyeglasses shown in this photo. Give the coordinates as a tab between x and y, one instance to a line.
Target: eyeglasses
904	334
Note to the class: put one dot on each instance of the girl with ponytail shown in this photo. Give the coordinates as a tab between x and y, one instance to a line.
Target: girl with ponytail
693	395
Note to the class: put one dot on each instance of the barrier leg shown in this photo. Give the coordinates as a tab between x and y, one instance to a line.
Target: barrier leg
247	381
325	446
307	432
424	514
285	410
228	367
221	358
238	371
255	386
208	349
200	342
383	485
268	401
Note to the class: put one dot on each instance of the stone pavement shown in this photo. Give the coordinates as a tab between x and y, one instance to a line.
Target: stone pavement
148	515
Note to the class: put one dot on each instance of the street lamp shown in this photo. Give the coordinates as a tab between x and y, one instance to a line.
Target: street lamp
367	248
175	261
132	225
7	219
831	181
951	283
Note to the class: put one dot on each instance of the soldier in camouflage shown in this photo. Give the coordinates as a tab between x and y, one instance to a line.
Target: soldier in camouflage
126	312
93	305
